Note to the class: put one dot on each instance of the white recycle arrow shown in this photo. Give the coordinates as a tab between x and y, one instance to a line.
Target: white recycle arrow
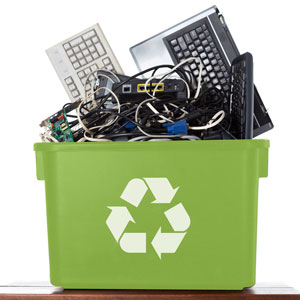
118	220
134	191
167	242
133	242
178	218
161	189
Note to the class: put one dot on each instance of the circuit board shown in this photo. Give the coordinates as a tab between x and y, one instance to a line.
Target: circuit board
59	126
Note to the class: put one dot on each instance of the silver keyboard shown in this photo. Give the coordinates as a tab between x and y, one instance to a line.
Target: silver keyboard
76	57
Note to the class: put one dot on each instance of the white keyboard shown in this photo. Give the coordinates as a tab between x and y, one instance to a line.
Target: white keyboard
76	57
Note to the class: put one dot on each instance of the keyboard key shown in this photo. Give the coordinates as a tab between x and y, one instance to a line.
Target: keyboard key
106	61
67	46
219	74
85	52
72	87
199	30
226	74
203	55
193	66
209	38
76	41
81	74
88	87
76	65
95	55
75	93
109	67
206	79
207	49
204	27
195	53
217	68
87	71
92	49
79	55
205	43
70	52
223	81
72	58
204	72
82	46
174	42
226	87
202	36
76	49
179	55
215	50
94	67
197	43
212	74
220	62
192	47
209	85
182	43
223	68
68	80
187	53
88	34
194	35
88	43
177	48
187	38
95	39
210	55
218	56
196	72
200	49
89	58
83	62
206	61
215	81
209	68
213	62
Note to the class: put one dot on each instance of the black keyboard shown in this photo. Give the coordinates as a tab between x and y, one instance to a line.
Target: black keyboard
242	97
199	39
196	40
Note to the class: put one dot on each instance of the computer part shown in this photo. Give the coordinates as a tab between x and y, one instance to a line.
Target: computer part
76	57
207	36
135	89
242	96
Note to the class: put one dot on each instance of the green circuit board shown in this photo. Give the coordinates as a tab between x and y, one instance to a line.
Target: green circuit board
60	128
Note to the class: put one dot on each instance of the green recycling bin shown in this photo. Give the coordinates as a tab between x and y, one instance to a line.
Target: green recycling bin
152	215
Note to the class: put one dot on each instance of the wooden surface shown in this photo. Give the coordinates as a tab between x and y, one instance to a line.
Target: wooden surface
52	293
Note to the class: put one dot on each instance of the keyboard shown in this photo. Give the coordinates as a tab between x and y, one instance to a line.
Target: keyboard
242	96
196	40
76	57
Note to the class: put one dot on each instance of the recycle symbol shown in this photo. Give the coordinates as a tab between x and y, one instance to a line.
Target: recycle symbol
133	194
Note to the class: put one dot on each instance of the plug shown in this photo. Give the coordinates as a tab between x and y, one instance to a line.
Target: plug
178	127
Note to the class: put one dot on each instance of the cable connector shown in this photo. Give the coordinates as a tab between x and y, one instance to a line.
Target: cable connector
178	127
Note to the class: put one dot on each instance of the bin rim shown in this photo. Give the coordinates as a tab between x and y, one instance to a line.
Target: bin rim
200	144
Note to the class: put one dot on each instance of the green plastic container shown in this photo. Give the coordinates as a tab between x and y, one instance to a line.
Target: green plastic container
152	215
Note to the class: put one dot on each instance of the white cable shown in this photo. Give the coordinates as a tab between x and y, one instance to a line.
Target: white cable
197	59
101	126
141	130
213	122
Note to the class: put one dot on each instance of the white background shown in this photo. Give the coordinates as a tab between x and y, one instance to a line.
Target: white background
31	91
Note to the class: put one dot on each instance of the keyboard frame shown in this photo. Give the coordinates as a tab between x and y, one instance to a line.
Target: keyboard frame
65	70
